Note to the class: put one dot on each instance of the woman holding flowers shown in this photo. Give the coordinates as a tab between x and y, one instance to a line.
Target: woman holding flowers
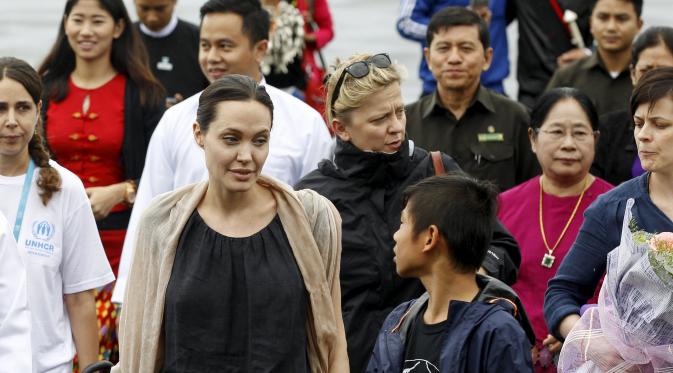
630	213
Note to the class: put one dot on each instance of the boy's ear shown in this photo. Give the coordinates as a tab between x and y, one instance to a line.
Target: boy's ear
431	237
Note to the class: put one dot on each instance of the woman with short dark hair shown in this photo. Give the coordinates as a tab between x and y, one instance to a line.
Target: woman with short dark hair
616	154
241	270
652	211
545	213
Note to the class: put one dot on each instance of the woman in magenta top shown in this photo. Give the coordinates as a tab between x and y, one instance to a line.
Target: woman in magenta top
100	106
545	213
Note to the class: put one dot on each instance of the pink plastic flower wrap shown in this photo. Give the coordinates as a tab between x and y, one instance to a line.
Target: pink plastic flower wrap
631	330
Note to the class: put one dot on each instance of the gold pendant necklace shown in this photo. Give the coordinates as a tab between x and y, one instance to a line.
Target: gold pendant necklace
549	258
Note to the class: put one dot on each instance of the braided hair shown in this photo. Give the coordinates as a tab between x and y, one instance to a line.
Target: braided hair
49	180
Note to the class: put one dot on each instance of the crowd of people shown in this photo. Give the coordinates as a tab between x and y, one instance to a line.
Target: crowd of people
215	198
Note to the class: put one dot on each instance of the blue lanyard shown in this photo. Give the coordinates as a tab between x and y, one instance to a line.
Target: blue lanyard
27	181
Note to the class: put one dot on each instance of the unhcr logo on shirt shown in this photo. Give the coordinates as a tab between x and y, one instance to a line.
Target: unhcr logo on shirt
42	231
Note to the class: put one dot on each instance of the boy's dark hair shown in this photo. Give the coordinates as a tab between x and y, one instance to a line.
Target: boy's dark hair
549	99
637	5
652	87
457	16
232	87
256	20
651	37
462	207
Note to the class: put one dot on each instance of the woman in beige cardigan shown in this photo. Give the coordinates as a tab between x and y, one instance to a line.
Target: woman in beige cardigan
239	273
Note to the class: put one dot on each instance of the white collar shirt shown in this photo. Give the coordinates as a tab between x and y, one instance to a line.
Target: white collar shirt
170	27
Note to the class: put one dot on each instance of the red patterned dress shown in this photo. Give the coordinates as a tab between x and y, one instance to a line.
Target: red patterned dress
85	131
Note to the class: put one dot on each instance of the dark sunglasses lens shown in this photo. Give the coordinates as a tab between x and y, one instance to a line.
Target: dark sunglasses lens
359	69
381	61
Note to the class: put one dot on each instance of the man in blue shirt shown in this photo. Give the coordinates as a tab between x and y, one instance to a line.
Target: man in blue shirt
413	24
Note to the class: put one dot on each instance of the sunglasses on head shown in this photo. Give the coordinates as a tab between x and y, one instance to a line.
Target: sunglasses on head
360	69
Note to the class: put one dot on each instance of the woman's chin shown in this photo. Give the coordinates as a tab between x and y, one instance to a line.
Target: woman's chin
235	185
649	166
567	173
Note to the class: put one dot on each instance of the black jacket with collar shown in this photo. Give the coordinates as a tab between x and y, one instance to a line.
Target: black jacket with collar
366	188
592	77
489	141
616	149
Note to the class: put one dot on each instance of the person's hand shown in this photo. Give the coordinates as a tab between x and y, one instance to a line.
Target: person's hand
600	352
170	101
103	199
571	56
552	344
567	324
535	354
484	12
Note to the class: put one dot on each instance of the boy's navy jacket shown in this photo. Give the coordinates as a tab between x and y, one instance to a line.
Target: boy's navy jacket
481	336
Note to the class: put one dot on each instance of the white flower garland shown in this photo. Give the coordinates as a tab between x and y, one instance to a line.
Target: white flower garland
286	41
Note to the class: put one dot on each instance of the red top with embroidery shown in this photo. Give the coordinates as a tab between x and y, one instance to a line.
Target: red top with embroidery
85	131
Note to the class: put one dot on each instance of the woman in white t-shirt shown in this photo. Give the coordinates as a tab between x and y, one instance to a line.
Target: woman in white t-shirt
54	228
14	315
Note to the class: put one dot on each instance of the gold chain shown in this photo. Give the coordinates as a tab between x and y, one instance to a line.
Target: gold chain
572	216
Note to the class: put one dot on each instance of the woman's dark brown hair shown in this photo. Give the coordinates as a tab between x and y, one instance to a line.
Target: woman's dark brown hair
18	70
231	87
128	57
652	87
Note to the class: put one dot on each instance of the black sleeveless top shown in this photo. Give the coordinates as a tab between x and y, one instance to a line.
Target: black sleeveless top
235	304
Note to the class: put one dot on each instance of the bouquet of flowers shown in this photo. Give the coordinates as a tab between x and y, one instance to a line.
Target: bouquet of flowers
286	41
661	256
631	330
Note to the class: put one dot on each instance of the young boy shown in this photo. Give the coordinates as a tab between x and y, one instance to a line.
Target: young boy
465	322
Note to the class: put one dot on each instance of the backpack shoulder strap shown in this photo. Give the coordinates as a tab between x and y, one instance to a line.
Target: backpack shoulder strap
437	162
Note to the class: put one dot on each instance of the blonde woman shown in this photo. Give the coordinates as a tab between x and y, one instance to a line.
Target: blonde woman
374	162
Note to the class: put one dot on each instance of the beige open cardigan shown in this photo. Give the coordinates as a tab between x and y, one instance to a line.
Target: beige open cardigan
313	228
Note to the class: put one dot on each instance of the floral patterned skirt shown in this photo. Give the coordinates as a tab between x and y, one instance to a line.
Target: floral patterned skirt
107	325
106	311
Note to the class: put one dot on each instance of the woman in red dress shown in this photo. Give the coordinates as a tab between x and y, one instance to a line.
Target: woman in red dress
101	104
318	31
